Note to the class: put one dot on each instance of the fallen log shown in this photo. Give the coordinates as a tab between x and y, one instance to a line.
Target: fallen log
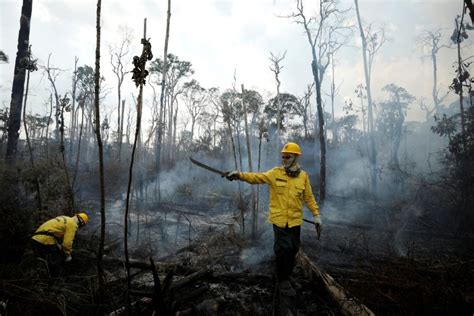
189	279
349	306
144	265
242	277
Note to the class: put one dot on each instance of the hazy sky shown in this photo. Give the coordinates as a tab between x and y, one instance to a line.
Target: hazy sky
220	37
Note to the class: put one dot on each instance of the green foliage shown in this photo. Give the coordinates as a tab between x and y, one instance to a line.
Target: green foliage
460	150
232	107
290	106
175	68
393	111
86	84
445	126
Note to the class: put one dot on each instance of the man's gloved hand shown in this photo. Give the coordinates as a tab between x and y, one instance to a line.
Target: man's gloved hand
318	224
232	175
68	259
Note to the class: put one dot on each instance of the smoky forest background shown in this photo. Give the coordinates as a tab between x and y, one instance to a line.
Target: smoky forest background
396	195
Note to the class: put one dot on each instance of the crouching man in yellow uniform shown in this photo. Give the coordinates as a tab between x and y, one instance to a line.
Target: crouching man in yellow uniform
289	188
53	240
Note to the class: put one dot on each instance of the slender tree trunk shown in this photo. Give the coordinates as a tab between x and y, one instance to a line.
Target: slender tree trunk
236	165
18	82
72	125
333	94
62	150
144	57
322	138
460	72
249	154
434	92
119	104
319	105
162	100
175	126
28	141
56	97
257	200
370	118
120	131
78	154
100	253
47	125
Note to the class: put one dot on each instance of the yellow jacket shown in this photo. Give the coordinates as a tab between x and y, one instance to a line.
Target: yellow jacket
286	195
63	228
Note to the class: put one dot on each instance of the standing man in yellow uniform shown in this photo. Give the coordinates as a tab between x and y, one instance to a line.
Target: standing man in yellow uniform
53	239
289	188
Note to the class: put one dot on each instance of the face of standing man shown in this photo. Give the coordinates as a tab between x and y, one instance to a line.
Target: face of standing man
288	160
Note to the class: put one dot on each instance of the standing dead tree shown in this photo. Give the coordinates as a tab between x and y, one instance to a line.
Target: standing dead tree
18	82
249	153
159	136
117	55
372	41
302	108
139	77
275	67
31	66
100	269
323	40
229	105
53	74
431	40
73	120
64	106
333	92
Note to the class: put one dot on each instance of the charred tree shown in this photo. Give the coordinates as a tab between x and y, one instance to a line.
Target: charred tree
19	82
64	106
139	77
100	253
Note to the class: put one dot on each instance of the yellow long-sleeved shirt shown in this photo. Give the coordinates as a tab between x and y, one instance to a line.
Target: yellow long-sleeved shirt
286	195
63	228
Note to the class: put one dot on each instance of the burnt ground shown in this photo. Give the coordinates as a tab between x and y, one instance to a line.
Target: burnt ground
206	267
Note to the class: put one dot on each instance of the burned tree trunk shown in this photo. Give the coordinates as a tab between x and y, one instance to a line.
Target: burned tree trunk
139	75
18	82
100	269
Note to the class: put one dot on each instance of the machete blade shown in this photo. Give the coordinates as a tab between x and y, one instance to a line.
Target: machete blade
202	165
